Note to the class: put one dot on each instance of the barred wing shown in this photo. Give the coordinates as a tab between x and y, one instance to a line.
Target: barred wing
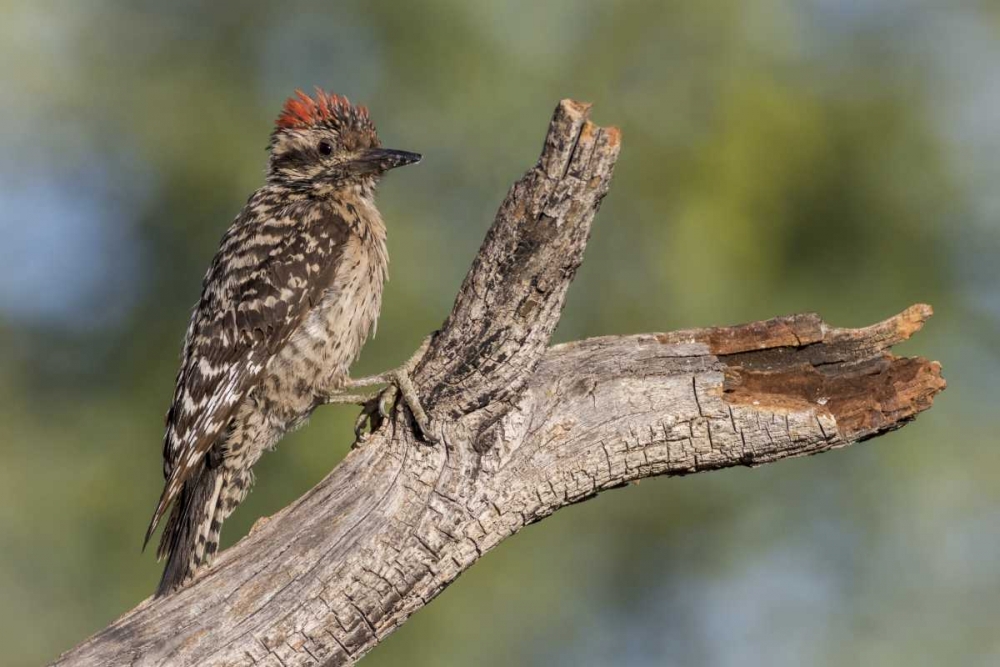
264	280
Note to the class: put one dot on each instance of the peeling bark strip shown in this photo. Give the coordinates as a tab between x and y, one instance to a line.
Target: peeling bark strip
525	430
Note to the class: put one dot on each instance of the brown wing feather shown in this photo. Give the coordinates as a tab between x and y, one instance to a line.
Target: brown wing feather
268	273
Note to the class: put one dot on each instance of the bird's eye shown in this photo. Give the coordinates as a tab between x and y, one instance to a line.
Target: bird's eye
325	147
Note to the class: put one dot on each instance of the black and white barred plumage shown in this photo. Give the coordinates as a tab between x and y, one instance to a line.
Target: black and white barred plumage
292	293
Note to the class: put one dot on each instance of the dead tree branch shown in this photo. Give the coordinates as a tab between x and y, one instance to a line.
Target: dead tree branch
525	429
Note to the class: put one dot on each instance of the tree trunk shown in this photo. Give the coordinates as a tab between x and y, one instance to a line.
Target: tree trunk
524	429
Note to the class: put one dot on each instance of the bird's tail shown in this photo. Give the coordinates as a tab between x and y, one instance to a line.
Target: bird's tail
191	536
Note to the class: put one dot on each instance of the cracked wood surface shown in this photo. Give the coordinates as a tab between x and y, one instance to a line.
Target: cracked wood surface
524	430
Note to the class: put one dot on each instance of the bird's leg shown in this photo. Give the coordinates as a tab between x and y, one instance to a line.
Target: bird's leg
398	383
369	402
339	398
346	399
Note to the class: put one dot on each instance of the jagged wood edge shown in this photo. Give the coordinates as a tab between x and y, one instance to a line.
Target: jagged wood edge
525	429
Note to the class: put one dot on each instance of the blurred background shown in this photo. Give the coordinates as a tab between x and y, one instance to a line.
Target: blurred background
779	156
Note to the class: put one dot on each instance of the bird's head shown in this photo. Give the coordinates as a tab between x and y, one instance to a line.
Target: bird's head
324	144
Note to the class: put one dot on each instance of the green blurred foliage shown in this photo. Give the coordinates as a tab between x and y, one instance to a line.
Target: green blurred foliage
778	156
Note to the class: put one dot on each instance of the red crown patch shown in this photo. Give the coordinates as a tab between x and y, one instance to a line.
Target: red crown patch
304	111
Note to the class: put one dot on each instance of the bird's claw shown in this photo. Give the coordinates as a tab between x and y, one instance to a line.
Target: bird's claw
376	411
409	393
373	414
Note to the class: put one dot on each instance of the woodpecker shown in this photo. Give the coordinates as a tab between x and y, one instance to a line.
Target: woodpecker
292	294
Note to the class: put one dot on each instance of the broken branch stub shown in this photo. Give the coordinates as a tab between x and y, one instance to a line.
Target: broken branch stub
511	299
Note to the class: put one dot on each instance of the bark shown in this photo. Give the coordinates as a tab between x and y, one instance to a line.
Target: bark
524	430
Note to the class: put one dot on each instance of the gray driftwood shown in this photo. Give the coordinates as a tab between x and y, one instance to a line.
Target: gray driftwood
525	429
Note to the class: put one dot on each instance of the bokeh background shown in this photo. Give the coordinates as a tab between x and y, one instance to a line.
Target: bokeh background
779	156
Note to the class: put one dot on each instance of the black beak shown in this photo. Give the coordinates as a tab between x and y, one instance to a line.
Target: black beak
378	160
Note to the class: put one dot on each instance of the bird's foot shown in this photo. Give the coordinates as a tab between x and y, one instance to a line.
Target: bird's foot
373	413
376	409
373	409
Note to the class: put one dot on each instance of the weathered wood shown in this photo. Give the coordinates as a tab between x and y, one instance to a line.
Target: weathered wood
525	429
